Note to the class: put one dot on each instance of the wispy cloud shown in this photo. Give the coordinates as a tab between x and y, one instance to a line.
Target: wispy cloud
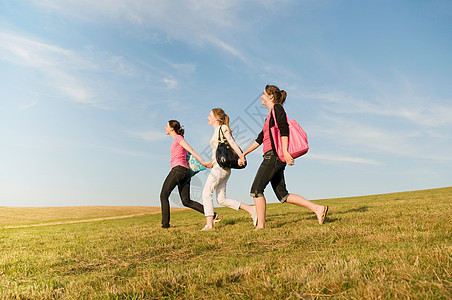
150	135
28	105
170	83
70	73
123	152
186	68
121	66
223	45
349	133
343	159
58	65
423	112
24	51
192	21
20	50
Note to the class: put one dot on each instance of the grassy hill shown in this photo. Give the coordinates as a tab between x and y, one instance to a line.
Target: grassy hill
384	246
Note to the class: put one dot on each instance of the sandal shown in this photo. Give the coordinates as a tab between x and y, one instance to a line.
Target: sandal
323	216
217	218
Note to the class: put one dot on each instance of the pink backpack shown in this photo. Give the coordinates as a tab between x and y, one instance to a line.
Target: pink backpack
298	140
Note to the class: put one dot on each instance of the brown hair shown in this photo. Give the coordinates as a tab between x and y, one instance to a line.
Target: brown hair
222	117
279	96
176	126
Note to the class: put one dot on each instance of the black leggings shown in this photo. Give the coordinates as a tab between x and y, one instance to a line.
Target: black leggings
179	176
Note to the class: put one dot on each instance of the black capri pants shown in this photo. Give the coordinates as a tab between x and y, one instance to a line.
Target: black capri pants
270	170
178	176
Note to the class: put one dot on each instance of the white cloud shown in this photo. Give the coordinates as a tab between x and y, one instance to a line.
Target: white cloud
195	22
187	68
59	66
351	133
150	135
28	105
423	112
27	52
225	47
170	83
78	93
78	76
344	159
121	66
123	152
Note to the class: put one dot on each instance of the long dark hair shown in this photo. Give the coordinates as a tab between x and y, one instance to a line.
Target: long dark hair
176	126
279	96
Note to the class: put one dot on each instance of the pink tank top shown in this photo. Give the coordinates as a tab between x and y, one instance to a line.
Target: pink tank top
267	144
178	153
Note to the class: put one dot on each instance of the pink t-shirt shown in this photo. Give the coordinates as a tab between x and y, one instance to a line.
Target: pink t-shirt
267	142
178	153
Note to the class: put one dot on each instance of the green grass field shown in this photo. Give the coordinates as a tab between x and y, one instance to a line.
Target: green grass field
392	246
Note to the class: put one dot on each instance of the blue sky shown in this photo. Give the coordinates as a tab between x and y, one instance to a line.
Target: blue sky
86	89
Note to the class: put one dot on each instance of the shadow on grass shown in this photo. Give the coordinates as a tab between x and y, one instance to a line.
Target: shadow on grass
301	217
328	219
289	213
279	223
230	221
236	220
278	218
359	209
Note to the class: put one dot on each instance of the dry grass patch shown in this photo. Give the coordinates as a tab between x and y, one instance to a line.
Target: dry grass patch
37	215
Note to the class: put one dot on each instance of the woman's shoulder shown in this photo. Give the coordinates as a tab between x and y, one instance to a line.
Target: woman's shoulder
178	138
225	128
279	108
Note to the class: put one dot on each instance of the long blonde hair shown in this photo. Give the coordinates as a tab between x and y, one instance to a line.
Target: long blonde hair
222	117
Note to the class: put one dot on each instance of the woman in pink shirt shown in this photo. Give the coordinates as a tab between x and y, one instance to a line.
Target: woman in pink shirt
180	173
272	168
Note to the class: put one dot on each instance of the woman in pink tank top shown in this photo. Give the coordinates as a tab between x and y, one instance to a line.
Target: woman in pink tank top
180	173
272	168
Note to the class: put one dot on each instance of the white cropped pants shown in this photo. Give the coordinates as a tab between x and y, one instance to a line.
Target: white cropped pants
216	181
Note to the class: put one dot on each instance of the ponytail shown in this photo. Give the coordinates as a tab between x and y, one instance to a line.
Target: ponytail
222	117
283	96
279	96
176	126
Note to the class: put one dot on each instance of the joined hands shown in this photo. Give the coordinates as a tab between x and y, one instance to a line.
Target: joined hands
242	160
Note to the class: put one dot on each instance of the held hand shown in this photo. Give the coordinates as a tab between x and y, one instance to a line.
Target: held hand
207	164
288	158
242	160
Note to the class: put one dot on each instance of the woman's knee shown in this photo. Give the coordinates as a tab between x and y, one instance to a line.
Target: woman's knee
186	201
221	200
207	193
164	195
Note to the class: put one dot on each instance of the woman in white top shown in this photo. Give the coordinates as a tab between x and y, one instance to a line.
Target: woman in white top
218	176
